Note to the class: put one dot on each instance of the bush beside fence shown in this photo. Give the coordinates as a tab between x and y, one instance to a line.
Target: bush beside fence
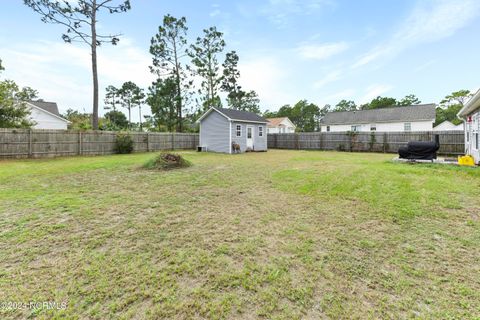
23	143
451	142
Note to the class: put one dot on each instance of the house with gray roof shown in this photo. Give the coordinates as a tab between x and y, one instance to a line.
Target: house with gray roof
45	115
221	128
394	119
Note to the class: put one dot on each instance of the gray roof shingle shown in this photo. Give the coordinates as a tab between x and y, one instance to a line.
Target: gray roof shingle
47	106
242	115
393	114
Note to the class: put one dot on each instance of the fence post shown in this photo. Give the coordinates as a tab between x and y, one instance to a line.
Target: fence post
79	143
30	151
385	142
321	140
173	140
297	143
148	142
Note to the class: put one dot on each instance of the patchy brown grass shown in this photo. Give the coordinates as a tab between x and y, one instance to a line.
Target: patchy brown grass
277	235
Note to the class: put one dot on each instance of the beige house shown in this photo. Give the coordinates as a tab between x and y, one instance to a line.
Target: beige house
280	125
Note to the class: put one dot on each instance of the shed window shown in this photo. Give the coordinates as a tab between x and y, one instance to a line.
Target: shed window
373	127
239	130
260	131
407	126
328	128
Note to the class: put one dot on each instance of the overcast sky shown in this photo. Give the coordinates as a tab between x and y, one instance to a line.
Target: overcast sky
320	50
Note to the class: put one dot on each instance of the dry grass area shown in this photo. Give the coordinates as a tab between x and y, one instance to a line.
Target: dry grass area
276	235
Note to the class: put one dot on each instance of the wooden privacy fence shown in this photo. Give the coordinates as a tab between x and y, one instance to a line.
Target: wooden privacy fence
451	142
22	143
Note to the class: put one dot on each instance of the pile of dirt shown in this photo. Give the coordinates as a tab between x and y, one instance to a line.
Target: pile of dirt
167	161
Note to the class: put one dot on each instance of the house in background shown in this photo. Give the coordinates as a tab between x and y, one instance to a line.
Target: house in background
470	114
280	125
46	115
448	126
220	128
394	119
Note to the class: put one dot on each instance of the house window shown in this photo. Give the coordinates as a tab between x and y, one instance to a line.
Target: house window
260	131
328	128
239	130
407	126
355	128
373	127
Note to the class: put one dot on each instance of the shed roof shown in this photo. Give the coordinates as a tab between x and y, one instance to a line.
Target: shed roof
47	106
236	115
393	114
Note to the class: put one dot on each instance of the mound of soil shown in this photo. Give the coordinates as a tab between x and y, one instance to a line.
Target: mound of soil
167	161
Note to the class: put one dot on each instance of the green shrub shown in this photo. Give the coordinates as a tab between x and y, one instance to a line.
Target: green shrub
123	143
167	161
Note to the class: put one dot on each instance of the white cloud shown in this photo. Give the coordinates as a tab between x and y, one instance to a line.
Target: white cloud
215	13
328	78
334	98
280	12
266	75
321	51
62	72
426	65
430	21
374	91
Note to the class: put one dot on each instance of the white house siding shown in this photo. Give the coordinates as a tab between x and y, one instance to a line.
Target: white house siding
281	130
472	137
382	127
259	143
214	133
45	120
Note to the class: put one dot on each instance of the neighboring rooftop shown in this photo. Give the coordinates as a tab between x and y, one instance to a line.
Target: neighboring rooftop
392	114
275	122
47	106
242	115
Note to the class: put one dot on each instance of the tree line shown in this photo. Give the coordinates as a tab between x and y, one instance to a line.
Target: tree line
189	78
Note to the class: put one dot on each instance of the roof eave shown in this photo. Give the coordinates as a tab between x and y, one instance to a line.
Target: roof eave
469	107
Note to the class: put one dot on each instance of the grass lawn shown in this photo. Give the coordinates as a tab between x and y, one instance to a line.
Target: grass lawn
277	235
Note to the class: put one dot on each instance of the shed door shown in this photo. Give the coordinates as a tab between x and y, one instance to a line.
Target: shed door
250	133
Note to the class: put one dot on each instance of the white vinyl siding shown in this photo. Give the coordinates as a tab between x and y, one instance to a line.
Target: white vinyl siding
383	126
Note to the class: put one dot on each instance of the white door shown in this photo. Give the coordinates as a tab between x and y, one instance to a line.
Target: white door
250	133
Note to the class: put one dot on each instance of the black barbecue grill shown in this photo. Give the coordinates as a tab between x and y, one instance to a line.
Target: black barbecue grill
420	150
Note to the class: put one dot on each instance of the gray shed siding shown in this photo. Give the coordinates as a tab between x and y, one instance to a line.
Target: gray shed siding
259	143
214	129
